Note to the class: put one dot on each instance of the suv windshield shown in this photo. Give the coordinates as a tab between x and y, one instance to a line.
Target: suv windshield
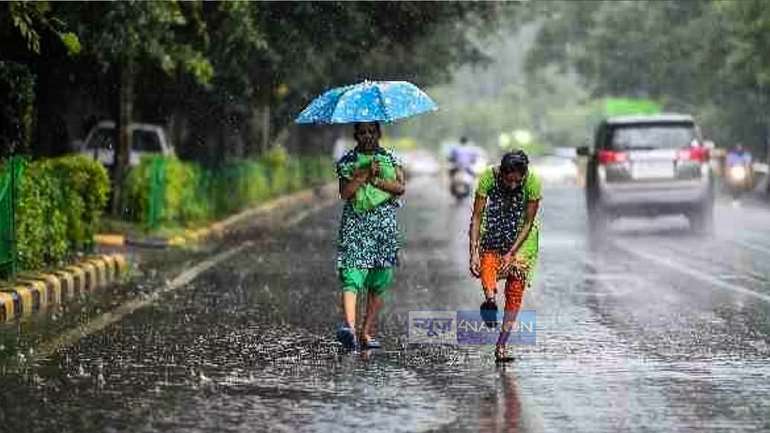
652	136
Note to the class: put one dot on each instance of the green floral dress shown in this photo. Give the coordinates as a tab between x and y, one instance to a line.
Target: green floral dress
369	239
505	214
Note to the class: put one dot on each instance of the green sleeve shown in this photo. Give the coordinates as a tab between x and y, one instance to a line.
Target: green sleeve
345	170
486	182
532	187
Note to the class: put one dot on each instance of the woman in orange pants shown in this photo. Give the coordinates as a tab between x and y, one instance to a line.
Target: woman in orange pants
504	235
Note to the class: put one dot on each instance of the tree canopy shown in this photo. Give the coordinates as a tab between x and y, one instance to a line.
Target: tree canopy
698	56
212	58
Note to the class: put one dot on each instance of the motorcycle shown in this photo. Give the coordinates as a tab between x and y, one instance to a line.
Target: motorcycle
462	180
738	179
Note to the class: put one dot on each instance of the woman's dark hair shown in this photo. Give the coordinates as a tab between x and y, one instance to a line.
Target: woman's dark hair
358	125
516	161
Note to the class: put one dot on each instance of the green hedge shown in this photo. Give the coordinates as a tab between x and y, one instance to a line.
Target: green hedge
60	203
192	194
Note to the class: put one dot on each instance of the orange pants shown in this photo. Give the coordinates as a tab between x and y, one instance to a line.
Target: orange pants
514	286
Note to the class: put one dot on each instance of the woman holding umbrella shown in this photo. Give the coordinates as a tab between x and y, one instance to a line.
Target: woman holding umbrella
367	246
370	181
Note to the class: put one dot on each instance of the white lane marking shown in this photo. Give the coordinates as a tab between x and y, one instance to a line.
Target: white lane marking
108	318
753	247
296	219
129	307
683	269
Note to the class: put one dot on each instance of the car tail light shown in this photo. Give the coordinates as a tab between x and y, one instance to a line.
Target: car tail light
612	157
698	154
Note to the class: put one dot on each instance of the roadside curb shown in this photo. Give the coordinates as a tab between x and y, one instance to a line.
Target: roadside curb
35	291
217	229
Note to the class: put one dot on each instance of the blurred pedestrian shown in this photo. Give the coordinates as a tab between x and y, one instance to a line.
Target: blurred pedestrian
370	181
504	236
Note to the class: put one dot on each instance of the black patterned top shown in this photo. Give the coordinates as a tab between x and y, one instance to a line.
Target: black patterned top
369	239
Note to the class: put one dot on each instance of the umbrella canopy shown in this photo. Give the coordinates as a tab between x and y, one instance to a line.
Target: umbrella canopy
370	101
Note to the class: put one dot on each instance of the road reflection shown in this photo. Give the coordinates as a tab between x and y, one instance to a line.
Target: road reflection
501	412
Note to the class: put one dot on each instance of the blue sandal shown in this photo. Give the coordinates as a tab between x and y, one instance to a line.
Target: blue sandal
347	337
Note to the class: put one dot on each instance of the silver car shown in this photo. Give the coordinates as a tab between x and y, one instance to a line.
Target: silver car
649	166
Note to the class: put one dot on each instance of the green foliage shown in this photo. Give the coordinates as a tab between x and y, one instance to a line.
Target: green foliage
276	161
10	170
179	199
136	192
275	157
31	21
701	57
158	33
25	17
180	204
420	42
194	195
17	98
316	170
86	187
206	60
71	42
60	202
627	106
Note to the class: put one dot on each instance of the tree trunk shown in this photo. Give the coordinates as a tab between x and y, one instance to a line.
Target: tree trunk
266	127
123	114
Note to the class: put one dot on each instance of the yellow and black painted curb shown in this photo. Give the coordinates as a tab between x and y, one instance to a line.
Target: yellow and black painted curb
188	237
32	292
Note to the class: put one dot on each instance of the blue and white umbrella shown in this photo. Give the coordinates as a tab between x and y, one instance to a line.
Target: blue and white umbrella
370	101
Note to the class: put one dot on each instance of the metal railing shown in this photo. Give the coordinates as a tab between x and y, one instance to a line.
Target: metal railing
157	192
10	175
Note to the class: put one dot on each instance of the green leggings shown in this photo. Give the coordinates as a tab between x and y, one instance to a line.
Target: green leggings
357	280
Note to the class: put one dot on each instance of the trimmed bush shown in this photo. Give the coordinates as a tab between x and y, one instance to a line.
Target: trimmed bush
86	188
193	194
60	203
181	201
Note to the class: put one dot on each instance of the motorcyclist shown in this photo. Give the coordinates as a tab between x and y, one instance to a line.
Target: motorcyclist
739	174
463	157
738	155
462	162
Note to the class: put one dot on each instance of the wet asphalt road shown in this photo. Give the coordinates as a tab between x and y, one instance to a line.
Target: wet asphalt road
651	329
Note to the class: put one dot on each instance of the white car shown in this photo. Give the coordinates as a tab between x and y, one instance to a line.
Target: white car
146	139
555	170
